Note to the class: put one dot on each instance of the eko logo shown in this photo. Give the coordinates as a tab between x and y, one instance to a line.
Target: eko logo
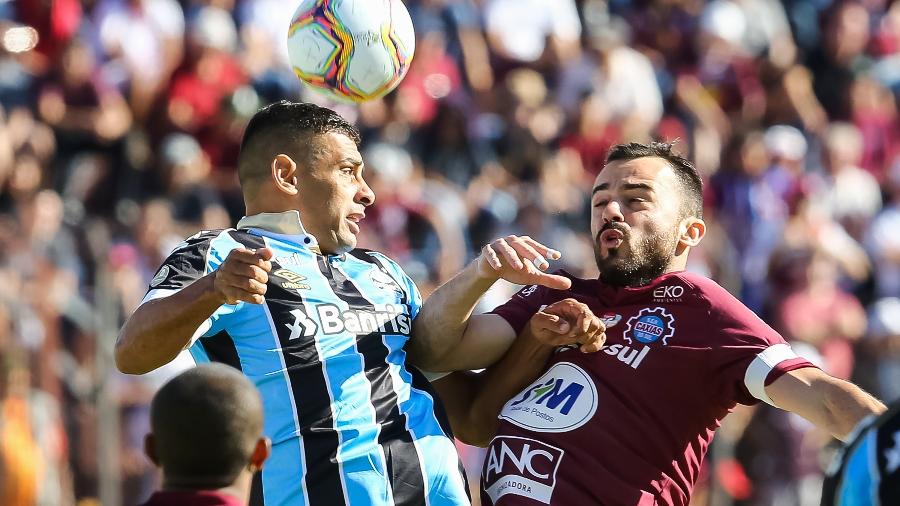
563	399
668	293
521	466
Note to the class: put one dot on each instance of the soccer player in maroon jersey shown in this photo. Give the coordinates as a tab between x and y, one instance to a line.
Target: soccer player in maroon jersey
630	425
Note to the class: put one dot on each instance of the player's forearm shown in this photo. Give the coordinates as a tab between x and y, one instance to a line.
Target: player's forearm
160	329
846	405
442	321
523	363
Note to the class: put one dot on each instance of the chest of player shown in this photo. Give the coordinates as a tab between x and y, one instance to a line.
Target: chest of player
312	298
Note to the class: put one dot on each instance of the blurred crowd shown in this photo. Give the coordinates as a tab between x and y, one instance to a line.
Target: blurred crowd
120	121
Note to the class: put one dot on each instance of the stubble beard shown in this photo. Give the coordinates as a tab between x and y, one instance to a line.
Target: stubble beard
635	263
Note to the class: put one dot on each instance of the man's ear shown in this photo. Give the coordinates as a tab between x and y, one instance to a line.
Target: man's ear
260	453
691	231
150	448
284	174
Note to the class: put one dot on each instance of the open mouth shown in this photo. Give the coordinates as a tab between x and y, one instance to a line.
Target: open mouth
611	238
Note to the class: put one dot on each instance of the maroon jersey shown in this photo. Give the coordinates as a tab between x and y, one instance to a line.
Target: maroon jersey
630	425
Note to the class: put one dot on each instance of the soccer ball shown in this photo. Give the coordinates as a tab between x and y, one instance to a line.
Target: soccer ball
351	50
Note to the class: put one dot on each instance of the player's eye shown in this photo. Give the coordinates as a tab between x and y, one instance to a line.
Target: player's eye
347	170
601	203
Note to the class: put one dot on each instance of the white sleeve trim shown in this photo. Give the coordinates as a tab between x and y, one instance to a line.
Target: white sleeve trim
762	365
157	293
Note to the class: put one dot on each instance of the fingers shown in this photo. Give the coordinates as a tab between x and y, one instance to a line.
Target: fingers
507	254
260	258
587	330
243	275
542	250
543	323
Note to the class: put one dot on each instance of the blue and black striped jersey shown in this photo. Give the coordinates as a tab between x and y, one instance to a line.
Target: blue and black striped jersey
867	471
351	422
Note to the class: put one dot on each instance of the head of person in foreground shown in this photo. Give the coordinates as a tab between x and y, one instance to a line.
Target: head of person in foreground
206	431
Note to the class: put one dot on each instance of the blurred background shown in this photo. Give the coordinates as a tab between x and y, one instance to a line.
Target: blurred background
121	121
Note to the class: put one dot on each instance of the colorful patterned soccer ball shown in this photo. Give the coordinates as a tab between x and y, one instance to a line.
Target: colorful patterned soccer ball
351	50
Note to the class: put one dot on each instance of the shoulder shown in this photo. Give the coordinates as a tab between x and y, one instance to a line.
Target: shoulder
378	259
702	290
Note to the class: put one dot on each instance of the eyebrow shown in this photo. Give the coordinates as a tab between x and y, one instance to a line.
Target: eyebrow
627	186
351	161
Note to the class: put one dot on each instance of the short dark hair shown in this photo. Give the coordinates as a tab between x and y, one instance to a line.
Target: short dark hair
205	423
286	127
688	177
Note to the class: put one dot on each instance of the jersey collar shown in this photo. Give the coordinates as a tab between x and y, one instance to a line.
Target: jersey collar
286	225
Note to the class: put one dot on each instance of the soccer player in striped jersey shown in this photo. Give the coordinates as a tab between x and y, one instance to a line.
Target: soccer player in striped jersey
326	331
630	425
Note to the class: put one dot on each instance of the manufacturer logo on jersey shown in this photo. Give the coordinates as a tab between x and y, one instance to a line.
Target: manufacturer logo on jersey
611	319
292	280
563	399
384	281
670	293
650	325
521	466
160	276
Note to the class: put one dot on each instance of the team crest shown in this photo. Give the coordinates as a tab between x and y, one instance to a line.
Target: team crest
650	325
384	281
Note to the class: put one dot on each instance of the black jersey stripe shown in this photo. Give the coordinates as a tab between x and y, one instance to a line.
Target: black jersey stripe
256	490
401	457
220	348
310	390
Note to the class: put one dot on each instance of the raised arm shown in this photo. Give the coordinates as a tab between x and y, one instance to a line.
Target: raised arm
163	326
475	400
447	337
829	403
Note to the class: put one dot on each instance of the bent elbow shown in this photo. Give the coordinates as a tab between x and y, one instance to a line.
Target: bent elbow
124	359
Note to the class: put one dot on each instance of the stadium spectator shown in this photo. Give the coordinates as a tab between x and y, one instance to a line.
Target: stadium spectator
206	428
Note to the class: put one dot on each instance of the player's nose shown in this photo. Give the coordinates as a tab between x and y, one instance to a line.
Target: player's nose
612	212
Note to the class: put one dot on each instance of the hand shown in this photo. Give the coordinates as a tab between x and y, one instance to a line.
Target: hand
243	276
568	322
520	260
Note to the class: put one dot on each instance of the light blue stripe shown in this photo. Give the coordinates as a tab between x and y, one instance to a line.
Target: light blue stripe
857	487
363	472
259	351
437	453
199	353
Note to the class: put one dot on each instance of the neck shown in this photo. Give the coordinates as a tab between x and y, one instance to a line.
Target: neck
239	489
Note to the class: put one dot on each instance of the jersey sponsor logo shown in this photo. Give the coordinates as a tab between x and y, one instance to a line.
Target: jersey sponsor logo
303	325
292	280
292	259
611	319
160	276
626	354
649	326
671	293
563	399
528	290
521	466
